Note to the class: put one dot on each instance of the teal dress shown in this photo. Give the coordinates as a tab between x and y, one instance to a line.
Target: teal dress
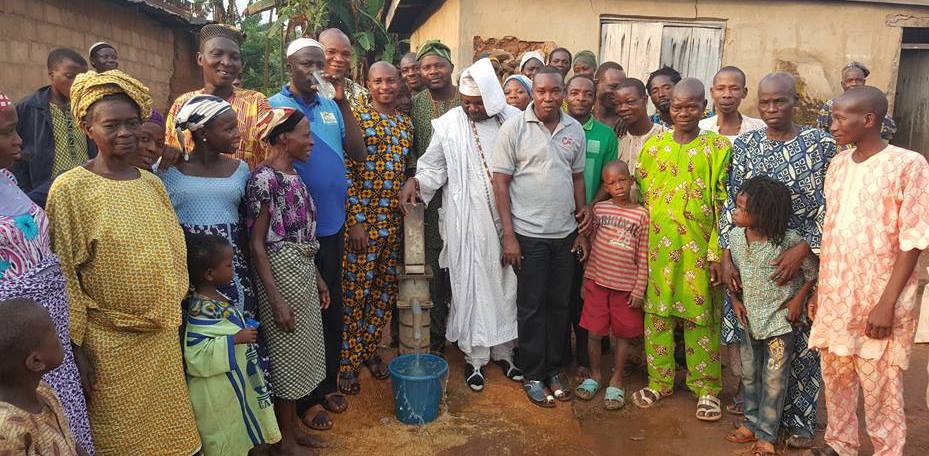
228	391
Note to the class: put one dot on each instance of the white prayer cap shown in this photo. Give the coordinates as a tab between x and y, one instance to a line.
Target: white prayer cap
301	43
529	56
480	79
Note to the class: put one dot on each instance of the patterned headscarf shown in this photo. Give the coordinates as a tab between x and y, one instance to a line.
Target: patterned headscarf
587	57
196	113
273	119
522	79
90	87
434	47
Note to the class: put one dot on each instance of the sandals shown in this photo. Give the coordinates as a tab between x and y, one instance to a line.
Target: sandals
646	397
509	370
614	398
741	435
318	421
798	442
377	368
348	383
474	378
587	389
761	448
708	408
558	390
335	403
736	408
538	394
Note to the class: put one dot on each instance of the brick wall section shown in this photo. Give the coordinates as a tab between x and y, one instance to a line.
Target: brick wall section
30	29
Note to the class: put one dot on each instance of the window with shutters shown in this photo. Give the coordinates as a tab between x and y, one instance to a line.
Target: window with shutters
642	46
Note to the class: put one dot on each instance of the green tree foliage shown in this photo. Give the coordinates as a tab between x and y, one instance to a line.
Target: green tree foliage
264	44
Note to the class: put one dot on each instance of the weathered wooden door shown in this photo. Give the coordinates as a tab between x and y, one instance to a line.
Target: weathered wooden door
911	111
693	49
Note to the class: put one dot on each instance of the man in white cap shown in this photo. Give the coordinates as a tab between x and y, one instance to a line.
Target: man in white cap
482	318
336	137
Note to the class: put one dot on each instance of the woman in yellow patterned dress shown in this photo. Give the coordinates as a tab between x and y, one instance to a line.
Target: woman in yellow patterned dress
369	285
123	254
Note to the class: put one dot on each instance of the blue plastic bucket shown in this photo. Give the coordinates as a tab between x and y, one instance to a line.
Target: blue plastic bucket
418	381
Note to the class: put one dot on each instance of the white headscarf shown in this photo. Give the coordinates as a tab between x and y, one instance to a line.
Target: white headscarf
480	79
301	43
529	56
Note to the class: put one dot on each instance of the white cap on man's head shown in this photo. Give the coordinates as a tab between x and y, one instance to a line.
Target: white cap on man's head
301	43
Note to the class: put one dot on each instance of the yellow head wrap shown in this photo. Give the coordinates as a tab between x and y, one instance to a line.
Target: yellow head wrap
90	87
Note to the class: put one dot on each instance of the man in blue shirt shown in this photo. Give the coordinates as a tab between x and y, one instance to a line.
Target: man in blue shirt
335	134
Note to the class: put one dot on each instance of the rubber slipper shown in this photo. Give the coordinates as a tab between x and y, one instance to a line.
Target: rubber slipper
646	397
587	389
317	419
353	388
614	398
377	368
558	390
741	435
335	403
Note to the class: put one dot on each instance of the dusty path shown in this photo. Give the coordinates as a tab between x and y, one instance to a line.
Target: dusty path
500	421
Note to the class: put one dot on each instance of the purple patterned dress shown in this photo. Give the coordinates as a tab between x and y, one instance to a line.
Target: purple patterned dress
29	269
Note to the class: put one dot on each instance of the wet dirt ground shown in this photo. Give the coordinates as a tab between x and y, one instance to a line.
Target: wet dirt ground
500	421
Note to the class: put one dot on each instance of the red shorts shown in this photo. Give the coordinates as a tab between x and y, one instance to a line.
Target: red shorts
607	311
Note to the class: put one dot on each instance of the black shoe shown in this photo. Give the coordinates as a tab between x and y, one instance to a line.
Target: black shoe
511	371
474	378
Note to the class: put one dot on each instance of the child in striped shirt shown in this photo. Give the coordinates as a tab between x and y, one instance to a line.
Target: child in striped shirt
614	281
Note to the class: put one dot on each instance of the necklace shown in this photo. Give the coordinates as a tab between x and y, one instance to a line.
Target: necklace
480	149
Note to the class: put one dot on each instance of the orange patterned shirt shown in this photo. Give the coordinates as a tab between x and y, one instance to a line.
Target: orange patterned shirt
36	434
249	107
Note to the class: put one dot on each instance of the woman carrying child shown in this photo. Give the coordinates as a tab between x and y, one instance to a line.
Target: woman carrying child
766	311
282	219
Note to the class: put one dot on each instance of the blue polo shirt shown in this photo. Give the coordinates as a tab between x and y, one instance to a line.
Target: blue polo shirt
324	172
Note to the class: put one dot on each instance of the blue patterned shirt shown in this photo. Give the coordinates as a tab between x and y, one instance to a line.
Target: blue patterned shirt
799	163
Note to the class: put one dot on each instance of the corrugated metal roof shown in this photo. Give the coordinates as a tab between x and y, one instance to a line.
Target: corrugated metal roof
169	11
405	15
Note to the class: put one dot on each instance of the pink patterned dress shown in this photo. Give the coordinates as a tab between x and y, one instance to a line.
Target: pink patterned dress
874	210
29	269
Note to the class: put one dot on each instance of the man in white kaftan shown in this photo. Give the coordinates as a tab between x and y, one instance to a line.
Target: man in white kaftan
482	317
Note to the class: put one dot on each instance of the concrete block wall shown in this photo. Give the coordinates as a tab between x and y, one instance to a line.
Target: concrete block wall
29	29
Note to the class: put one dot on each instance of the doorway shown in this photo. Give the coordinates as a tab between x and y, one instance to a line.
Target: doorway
911	109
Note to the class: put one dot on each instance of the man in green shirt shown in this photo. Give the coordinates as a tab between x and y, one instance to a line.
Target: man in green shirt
601	148
440	96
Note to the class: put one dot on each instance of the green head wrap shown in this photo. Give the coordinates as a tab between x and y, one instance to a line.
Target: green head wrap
434	47
587	57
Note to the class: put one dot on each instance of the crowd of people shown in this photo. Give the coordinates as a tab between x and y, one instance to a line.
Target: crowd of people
214	280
